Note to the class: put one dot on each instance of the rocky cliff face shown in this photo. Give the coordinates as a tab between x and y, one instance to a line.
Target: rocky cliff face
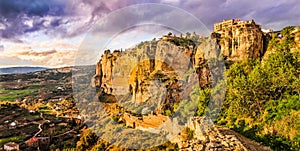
211	137
148	73
150	78
154	72
241	41
104	70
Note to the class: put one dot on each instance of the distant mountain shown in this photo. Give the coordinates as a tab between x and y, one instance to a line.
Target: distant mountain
19	70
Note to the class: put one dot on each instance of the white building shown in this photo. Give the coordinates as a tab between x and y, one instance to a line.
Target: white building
13	124
268	30
11	146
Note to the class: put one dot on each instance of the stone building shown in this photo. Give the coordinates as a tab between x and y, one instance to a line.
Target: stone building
239	40
219	27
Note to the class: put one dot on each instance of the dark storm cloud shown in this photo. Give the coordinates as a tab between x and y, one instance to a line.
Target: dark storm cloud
11	8
15	13
269	13
156	14
70	18
51	16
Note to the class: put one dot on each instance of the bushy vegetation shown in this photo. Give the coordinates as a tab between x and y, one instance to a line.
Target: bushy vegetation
11	139
203	99
87	139
185	42
263	97
285	42
187	134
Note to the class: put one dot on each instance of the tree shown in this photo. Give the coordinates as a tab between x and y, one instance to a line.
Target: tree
188	35
187	134
87	139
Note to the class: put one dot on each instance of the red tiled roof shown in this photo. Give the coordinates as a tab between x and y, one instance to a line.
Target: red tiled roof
32	140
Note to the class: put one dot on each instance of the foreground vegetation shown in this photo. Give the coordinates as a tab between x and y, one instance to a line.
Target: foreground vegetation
263	102
263	97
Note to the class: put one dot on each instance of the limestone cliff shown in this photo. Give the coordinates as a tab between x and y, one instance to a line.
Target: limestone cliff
240	41
153	73
104	69
147	73
149	79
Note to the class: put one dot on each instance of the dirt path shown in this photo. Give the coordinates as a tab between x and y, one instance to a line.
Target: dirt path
251	145
41	124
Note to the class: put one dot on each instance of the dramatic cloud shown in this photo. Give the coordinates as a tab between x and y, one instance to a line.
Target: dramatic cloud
31	7
20	17
74	17
24	24
48	58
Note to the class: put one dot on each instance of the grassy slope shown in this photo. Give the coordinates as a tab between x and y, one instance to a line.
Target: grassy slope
12	95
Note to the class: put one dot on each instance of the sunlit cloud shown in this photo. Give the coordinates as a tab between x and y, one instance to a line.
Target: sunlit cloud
45	25
47	58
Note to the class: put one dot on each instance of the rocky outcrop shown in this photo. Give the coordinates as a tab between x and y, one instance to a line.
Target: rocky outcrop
153	72
103	76
206	53
150	72
243	40
210	137
149	79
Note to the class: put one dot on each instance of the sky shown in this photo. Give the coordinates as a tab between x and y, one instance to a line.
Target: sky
54	33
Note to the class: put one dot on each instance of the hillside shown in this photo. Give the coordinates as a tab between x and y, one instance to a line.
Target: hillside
255	62
37	109
19	70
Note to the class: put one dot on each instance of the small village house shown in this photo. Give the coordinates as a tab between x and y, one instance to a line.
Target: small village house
13	125
11	146
32	142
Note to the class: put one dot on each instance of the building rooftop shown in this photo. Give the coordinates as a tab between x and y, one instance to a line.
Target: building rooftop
220	26
11	144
